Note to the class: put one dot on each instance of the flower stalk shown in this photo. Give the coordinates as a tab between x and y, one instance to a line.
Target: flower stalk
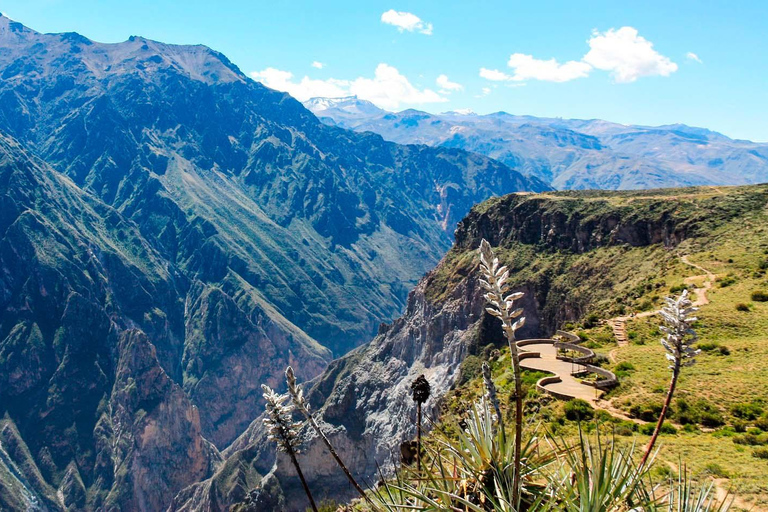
677	316
492	396
297	397
420	389
501	304
284	432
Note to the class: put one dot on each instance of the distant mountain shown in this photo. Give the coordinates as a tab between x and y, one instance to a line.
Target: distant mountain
567	153
172	235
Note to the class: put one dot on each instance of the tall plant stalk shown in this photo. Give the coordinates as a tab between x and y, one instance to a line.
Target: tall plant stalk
501	305
420	388
297	397
677	340
284	432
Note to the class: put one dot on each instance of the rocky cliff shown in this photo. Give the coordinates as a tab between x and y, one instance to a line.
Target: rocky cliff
571	253
172	235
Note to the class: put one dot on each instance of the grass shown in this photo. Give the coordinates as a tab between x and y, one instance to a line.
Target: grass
728	235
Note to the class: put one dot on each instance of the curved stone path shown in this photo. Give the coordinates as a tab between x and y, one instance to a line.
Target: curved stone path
548	362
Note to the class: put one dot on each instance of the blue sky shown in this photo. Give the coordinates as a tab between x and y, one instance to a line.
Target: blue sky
628	62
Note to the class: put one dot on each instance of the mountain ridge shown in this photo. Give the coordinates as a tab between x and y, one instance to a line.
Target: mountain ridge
568	153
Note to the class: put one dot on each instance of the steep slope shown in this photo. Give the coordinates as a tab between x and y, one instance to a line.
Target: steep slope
221	173
173	235
569	154
572	253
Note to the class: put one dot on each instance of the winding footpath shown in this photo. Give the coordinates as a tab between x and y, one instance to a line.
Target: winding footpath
547	361
619	324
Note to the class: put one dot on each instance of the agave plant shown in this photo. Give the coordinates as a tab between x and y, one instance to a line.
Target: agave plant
472	473
597	476
682	495
678	337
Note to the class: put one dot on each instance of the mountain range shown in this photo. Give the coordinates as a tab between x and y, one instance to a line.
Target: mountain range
172	235
567	153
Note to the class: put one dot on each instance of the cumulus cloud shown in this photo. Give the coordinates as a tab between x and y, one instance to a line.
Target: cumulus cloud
317	64
494	75
406	21
623	52
627	55
528	68
388	88
692	56
446	85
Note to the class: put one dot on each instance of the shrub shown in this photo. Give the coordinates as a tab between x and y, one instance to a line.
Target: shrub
591	321
742	307
707	347
625	428
726	281
724	351
711	419
647	429
762	422
470	369
578	410
625	367
646	411
760	453
667	428
760	296
716	470
747	411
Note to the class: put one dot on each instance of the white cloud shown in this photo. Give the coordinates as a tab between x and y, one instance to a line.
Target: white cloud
303	90
694	57
627	55
494	75
528	68
485	91
388	88
623	52
317	64
446	85
406	21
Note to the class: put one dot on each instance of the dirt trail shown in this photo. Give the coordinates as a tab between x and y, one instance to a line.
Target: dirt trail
619	323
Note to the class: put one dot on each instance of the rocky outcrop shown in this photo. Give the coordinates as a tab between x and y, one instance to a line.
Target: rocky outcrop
557	248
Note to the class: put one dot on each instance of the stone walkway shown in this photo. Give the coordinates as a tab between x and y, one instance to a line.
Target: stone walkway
548	362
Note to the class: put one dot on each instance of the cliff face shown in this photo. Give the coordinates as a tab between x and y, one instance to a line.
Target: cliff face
163	214
569	253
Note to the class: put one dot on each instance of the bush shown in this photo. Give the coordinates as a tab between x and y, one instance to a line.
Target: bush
751	439
760	453
762	422
726	281
470	369
708	347
625	428
711	419
747	411
591	321
716	470
760	296
724	351
742	307
647	429
625	367
578	410
646	411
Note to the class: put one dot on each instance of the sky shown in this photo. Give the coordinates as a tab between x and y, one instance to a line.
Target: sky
702	63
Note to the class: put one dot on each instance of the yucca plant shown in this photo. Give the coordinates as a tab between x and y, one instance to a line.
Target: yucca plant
284	431
596	476
677	315
474	472
682	495
297	397
501	304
